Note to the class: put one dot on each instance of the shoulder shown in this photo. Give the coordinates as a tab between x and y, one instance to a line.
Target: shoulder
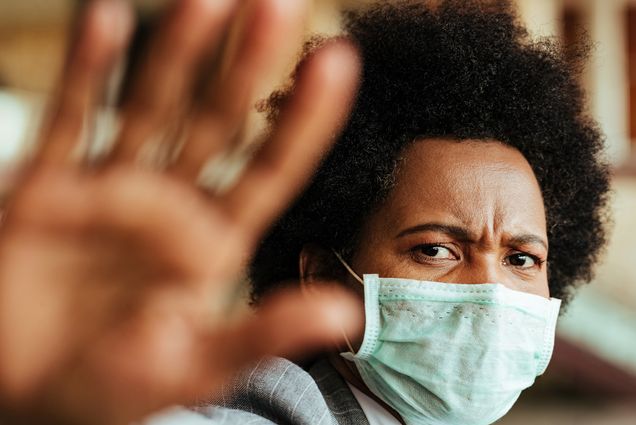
216	416
279	391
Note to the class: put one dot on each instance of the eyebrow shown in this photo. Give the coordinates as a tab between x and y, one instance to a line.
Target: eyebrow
457	232
464	234
528	240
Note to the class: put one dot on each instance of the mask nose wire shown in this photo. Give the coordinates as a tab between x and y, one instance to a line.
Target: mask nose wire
355	275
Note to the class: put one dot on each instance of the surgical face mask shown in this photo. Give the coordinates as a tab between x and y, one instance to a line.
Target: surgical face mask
452	354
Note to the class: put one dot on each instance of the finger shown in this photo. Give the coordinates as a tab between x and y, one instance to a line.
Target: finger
191	28
307	127
271	34
289	325
167	359
104	31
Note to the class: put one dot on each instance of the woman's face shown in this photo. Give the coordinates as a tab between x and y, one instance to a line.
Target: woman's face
461	212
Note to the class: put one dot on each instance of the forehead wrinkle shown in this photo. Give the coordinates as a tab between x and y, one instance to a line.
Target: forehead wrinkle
475	191
463	186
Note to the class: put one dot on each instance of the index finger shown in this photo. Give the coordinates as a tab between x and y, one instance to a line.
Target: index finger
308	126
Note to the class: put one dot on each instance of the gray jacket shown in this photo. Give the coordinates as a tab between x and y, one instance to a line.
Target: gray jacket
277	391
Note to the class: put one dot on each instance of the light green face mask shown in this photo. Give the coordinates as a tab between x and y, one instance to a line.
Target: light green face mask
452	354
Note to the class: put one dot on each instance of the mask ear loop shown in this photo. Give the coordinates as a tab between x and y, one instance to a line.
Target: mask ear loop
355	275
346	266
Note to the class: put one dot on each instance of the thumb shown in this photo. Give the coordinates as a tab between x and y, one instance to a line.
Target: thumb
289	324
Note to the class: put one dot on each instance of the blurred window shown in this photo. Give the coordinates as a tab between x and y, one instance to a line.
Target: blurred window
14	120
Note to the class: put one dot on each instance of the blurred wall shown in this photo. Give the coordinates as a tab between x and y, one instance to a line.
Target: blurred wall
32	41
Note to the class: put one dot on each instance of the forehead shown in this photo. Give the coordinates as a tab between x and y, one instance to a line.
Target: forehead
470	183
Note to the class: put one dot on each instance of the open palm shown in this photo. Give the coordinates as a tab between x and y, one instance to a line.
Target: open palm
116	281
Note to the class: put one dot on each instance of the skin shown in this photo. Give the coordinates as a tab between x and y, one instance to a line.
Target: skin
114	278
465	212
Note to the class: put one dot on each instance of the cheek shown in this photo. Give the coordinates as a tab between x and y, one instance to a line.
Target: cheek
370	259
387	260
537	286
545	289
373	253
540	290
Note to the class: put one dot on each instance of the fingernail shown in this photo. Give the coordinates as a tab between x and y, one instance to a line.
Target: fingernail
342	310
112	19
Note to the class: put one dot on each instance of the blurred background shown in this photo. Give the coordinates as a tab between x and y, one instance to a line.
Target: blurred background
592	379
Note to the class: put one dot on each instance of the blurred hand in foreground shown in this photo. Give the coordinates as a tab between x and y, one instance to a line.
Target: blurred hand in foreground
113	277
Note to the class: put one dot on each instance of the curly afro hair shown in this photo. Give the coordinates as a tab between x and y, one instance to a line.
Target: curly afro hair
461	70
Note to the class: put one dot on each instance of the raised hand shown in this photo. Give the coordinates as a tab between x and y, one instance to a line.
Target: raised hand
116	280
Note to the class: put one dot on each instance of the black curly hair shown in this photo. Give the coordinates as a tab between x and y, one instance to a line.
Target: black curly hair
461	70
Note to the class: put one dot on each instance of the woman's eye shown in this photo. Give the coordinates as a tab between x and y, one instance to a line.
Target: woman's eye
437	252
522	261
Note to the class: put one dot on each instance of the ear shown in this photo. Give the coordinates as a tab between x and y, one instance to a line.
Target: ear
316	263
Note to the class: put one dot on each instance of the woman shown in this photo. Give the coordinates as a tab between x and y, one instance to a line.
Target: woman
467	154
471	181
